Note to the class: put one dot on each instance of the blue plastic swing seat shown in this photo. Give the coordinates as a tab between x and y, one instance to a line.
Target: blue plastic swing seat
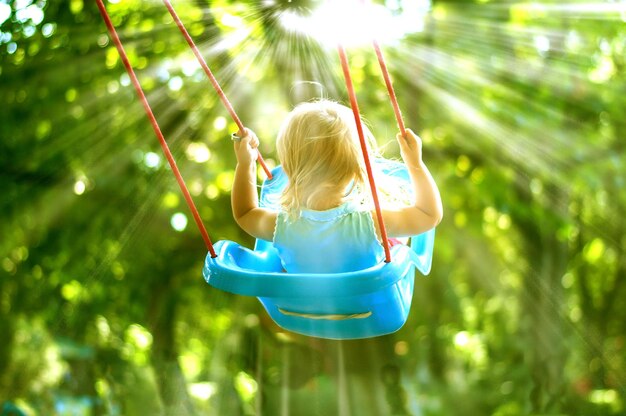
361	304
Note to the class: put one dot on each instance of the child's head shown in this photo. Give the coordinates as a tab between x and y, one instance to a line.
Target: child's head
318	147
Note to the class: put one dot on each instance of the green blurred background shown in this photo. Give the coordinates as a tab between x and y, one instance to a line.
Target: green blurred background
103	308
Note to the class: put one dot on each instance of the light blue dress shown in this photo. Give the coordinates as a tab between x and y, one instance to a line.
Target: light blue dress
337	240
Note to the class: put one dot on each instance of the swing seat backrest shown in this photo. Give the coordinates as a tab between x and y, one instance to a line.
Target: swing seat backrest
359	304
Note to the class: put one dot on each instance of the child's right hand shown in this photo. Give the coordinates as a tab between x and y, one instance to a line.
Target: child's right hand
246	147
410	148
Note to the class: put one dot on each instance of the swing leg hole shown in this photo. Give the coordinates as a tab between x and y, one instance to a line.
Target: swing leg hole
332	317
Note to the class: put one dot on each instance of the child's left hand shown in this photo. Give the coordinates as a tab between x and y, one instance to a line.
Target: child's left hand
246	148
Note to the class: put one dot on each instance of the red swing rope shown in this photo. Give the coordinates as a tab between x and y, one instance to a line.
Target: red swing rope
370	176
388	83
355	110
212	78
390	90
155	126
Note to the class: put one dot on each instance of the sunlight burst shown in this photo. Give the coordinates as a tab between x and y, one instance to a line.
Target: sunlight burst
355	22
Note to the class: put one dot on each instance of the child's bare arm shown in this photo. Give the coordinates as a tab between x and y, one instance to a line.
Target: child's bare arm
258	222
427	210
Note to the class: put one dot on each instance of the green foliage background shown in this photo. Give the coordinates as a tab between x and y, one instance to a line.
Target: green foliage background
103	309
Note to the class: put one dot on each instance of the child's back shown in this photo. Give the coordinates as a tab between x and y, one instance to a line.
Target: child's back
336	240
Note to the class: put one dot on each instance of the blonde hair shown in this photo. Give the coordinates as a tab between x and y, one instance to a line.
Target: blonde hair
318	147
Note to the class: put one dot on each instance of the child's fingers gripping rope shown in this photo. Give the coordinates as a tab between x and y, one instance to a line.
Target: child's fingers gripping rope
410	148
245	145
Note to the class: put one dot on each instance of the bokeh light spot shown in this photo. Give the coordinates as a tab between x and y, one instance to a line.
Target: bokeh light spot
152	160
198	152
220	123
5	12
179	221
175	84
79	187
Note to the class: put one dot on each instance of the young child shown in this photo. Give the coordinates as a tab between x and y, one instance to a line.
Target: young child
325	224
